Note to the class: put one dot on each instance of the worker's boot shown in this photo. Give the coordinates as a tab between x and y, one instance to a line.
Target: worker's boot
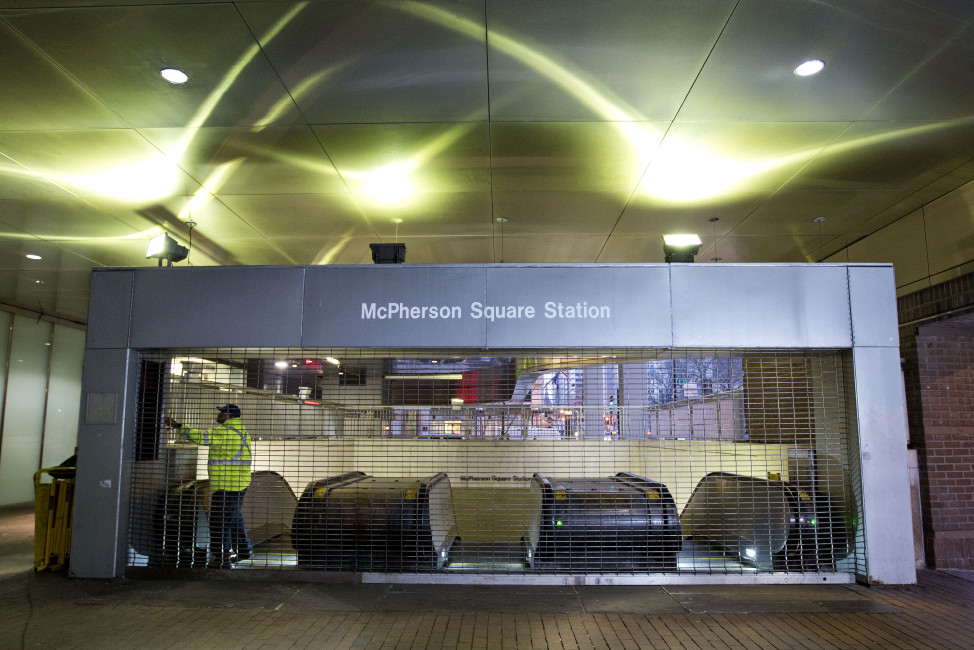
220	560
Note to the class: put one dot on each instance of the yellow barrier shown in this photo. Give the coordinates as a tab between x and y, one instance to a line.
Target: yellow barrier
53	513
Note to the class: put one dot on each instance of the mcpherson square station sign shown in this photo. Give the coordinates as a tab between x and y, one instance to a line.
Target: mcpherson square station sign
492	306
479	310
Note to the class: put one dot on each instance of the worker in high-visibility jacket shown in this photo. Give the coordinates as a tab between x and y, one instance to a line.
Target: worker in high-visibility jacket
228	465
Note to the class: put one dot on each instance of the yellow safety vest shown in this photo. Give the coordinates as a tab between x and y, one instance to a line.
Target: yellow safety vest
229	458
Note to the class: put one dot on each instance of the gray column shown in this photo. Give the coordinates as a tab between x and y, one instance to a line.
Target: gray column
883	432
99	539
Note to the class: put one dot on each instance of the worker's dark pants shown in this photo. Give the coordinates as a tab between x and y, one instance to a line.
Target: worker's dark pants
227	530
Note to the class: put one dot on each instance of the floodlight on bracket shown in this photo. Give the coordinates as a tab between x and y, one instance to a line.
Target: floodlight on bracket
680	247
165	247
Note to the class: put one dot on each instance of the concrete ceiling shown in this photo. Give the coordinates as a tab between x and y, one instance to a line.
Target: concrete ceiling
308	130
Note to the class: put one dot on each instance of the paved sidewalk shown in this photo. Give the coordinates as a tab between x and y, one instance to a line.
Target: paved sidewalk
50	610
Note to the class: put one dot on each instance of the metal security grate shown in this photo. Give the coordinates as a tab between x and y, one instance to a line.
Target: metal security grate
584	461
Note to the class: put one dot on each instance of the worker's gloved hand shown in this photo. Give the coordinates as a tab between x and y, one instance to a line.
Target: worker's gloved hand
171	422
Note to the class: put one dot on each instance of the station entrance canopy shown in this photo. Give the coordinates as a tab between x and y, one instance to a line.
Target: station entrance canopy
557	423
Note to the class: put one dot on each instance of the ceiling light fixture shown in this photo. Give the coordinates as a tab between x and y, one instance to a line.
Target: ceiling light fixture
388	253
32	256
174	76
680	247
165	247
810	67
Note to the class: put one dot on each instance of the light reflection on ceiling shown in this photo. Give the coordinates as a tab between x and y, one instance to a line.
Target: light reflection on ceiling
308	130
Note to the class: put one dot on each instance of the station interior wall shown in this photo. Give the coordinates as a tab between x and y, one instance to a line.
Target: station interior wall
40	399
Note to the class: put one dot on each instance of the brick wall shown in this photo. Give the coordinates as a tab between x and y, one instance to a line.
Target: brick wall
937	343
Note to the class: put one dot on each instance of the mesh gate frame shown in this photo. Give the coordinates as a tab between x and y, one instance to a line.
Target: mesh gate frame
367	438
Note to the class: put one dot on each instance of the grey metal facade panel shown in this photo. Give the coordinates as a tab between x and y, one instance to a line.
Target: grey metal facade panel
101	507
446	306
393	305
761	306
110	308
581	306
881	415
872	293
228	306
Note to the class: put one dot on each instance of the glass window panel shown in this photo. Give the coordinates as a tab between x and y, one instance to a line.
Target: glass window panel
26	387
64	395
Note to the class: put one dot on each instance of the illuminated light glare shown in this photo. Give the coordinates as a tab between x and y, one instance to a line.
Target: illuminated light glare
327	254
204	195
333	361
389	185
445	377
156	245
751	553
281	364
287	100
808	68
195	360
174	76
683	173
149	180
152	232
682	239
32	256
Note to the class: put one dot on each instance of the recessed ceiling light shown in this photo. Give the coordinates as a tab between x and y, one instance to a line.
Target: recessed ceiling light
174	76
31	256
808	68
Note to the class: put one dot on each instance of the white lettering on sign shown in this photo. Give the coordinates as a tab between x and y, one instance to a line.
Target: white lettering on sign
484	311
479	310
578	310
399	310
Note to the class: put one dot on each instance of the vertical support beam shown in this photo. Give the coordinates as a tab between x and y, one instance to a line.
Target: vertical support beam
882	426
101	512
884	463
105	450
